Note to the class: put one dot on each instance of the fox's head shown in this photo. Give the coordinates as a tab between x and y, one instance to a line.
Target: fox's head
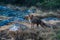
29	18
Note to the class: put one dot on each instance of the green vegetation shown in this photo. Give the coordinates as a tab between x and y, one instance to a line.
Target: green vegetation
58	36
39	3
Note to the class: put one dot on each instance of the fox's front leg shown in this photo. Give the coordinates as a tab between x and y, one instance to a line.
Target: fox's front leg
32	25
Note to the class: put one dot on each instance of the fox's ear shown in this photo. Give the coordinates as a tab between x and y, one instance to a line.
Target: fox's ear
32	15
26	17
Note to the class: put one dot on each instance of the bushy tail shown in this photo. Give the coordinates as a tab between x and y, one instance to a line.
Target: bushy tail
44	24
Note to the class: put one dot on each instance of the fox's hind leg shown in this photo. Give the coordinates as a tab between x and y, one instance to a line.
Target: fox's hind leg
37	25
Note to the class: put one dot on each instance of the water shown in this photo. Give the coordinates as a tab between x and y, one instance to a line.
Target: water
17	26
16	15
4	11
51	18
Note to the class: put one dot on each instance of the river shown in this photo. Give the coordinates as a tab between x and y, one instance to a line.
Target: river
16	15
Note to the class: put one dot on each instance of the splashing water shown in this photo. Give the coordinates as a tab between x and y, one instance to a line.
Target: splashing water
14	28
17	26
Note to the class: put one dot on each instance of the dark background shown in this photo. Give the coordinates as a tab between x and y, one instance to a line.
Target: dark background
46	4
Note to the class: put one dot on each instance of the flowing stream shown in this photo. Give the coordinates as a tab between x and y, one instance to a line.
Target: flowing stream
16	15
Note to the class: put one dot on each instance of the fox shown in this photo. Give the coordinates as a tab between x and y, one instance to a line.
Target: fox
35	20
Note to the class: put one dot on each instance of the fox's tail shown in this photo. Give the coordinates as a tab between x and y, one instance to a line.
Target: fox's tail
44	24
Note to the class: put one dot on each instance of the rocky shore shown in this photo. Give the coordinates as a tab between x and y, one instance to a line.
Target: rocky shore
28	34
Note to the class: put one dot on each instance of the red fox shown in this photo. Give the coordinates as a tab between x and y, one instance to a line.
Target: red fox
35	20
